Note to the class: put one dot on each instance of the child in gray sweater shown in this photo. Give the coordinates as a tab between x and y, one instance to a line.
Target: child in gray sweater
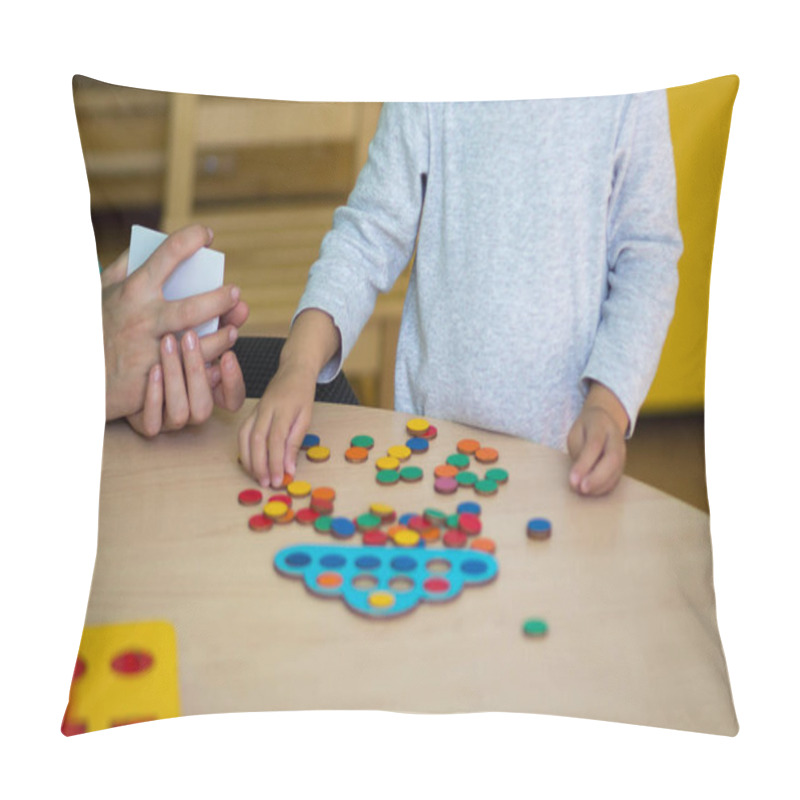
544	281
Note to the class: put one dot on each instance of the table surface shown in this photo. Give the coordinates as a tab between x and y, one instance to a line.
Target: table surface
624	583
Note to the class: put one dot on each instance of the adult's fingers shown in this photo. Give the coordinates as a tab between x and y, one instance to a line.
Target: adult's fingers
180	315
213	345
176	400
176	248
230	393
236	316
148	421
153	410
116	271
201	403
214	375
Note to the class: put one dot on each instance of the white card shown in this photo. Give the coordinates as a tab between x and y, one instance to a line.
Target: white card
201	272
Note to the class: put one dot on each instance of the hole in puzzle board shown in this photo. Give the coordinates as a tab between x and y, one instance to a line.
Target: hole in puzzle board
364	582
401	584
439	565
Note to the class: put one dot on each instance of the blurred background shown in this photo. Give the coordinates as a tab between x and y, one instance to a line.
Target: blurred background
266	176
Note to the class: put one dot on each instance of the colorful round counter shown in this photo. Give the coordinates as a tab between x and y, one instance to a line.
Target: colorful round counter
387	477
250	497
356	454
411	474
445	485
534	627
468	446
539	528
318	454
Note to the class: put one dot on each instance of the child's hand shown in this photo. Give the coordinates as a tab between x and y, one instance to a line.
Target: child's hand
270	438
596	443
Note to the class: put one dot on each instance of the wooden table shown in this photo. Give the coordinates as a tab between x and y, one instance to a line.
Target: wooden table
625	584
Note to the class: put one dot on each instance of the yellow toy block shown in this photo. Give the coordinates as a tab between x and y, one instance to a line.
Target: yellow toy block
125	673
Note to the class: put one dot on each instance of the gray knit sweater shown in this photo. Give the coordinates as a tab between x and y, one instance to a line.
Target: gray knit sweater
547	256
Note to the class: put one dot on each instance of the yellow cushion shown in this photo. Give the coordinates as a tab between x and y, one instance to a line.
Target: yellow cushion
700	118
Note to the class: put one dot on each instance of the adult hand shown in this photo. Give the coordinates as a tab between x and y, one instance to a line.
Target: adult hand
181	390
596	443
136	317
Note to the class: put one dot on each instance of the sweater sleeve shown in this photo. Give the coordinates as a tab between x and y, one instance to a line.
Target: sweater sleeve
372	238
643	246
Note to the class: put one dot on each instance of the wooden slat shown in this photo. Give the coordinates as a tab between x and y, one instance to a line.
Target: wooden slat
243	218
113	192
179	184
272	304
125	164
277	264
275	173
226	121
270	248
98	99
123	133
368	114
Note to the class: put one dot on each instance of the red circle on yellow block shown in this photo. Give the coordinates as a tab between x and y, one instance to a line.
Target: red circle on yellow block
132	661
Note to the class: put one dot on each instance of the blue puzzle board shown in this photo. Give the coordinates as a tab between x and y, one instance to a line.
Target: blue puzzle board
385	582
